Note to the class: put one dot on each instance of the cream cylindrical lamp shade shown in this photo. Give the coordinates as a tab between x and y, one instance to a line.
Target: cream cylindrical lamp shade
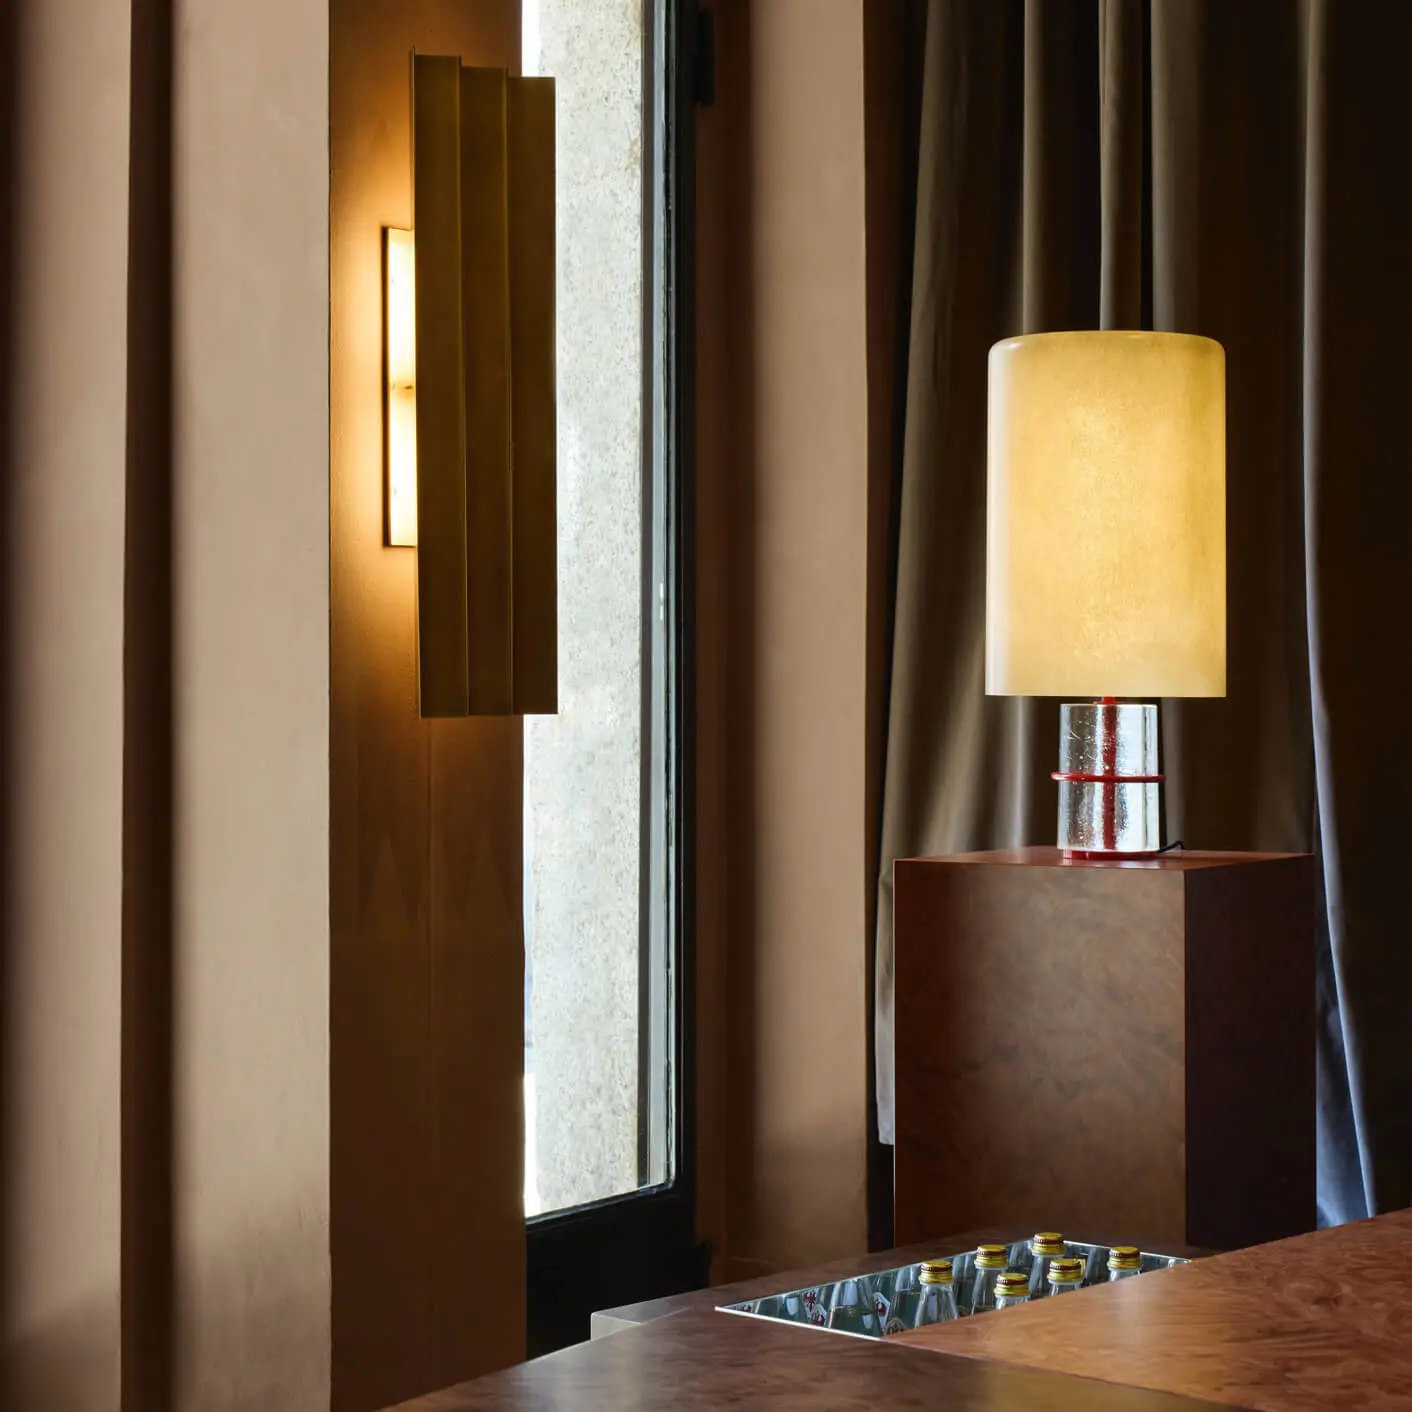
1106	554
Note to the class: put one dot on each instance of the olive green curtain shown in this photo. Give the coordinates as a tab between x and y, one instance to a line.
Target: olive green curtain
1235	170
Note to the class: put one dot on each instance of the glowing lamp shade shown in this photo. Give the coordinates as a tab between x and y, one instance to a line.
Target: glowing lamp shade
1106	553
400	356
1106	557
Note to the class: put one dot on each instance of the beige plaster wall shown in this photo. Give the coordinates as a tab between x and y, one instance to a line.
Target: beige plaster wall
783	721
63	753
251	810
427	982
420	995
166	1199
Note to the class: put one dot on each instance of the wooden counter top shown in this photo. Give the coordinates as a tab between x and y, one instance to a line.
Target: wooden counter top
702	1361
1317	1321
1314	1322
680	1355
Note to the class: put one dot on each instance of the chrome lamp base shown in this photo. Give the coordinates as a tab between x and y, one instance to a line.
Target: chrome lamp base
1109	788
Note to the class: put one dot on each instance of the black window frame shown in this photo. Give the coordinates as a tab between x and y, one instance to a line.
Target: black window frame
643	1244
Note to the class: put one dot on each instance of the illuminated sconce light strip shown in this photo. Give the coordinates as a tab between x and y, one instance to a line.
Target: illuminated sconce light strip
400	410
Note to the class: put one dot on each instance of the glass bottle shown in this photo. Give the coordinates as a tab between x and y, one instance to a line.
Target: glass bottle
1011	1287
881	1291
1046	1246
1066	1272
852	1311
1123	1261
990	1261
937	1304
906	1296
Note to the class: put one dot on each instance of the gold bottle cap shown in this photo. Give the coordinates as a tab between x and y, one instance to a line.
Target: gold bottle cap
992	1257
1067	1270
1047	1243
1124	1257
936	1272
1011	1283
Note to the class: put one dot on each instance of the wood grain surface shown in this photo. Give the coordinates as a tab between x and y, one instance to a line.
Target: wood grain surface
1250	1053
1317	1321
707	1360
1116	1046
1040	1016
426	980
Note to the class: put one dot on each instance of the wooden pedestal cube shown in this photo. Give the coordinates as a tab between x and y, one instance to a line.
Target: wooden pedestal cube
1124	1047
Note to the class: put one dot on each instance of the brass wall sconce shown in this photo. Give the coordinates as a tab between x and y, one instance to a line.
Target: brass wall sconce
470	390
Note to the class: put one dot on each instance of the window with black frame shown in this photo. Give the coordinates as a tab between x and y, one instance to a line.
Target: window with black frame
608	1161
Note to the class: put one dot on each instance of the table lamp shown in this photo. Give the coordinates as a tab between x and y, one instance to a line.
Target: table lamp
1106	556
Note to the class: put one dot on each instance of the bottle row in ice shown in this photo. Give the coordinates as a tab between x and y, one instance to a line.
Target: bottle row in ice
996	1277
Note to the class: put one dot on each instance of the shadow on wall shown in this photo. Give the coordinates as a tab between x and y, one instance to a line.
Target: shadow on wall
147	1091
7	206
726	593
56	1364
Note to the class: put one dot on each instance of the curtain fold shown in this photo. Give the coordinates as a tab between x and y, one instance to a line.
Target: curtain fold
1234	171
1008	217
1357	368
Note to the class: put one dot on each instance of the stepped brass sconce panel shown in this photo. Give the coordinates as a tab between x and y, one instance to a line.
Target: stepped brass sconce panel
484	387
534	424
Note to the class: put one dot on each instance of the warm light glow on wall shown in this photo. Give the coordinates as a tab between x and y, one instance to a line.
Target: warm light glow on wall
400	358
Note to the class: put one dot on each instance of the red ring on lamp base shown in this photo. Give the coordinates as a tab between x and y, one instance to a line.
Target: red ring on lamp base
1099	855
1089	855
1078	777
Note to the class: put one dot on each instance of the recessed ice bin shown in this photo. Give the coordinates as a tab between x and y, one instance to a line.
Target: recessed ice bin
891	1301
